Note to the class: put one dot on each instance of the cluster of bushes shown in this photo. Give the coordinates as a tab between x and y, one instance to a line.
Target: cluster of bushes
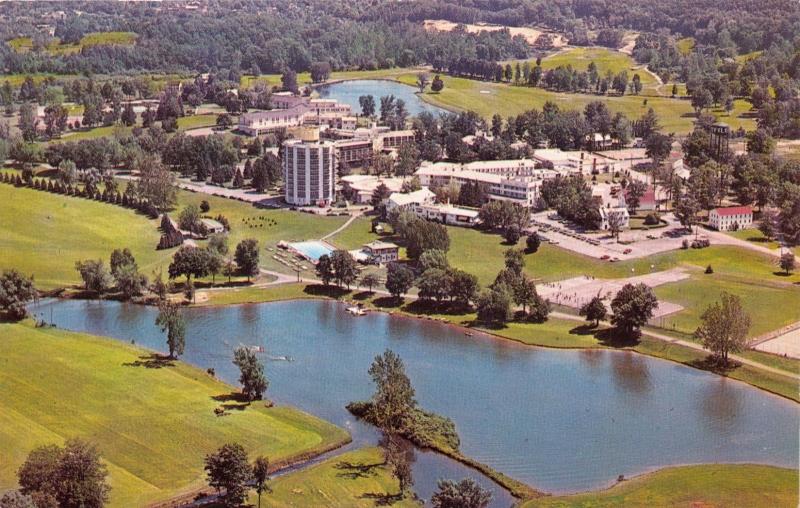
89	191
700	243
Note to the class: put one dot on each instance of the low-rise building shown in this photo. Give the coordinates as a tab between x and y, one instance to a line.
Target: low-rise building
212	226
359	188
411	199
447	214
608	214
381	252
262	122
731	218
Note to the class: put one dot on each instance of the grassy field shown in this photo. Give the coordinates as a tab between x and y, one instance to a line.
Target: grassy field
605	59
704	486
50	232
304	78
184	123
685	45
352	480
196	121
152	426
77	228
25	44
755	236
488	98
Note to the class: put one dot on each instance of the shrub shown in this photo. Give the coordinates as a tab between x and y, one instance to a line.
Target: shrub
651	219
709	270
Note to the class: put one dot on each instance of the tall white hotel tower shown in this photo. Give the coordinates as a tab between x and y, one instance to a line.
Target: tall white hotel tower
309	170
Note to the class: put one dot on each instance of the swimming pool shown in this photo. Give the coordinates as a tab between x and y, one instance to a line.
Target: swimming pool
311	250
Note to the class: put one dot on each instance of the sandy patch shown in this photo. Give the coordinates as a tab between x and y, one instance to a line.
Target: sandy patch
530	34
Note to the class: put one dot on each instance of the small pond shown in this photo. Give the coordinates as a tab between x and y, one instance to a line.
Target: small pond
348	92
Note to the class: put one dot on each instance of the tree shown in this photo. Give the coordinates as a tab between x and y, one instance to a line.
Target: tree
16	499
229	471
437	85
94	274
189	218
463	286
464	494
251	373
156	182
759	141
128	115
398	456
399	279
345	268
16	290
55	120
73	476
594	310
369	280
189	261
658	147
320	72
422	82
170	320
324	269
367	103
224	121
379	195
787	262
28	122
724	327
532	242
393	400
433	258
261	476
289	81
246	256
512	234
494	306
634	192
129	281
632	307
686	210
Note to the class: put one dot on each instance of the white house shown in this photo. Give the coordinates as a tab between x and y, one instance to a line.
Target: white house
381	252
609	213
731	218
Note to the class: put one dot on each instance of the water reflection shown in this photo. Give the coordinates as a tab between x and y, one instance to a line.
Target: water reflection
631	372
721	405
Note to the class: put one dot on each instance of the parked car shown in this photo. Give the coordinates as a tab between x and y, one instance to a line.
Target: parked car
627	251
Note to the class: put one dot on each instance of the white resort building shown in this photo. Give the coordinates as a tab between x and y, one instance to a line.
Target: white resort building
731	218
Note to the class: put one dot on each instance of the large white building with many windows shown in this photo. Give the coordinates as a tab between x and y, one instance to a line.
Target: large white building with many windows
731	218
309	171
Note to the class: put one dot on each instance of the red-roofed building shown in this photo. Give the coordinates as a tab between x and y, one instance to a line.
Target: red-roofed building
731	218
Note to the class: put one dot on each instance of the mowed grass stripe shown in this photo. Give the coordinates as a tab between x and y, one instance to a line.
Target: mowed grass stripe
153	424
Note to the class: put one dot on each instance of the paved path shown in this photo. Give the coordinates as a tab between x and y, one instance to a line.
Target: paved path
344	226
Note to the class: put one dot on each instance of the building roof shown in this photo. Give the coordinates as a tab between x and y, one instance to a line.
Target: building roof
379	245
420	196
455	210
212	224
734	210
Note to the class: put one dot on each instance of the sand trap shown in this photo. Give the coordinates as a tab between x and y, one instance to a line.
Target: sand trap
485	91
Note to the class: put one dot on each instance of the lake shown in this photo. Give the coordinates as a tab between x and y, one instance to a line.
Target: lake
348	92
559	420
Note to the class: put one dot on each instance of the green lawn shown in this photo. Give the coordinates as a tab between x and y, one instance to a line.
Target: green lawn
351	480
44	234
488	98
196	121
24	44
50	232
754	236
685	45
706	486
605	59
152	426
769	307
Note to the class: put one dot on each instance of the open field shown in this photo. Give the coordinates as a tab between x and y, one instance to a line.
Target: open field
77	228
184	123
351	480
606	60
304	78
152	426
44	234
692	486
755	236
487	98
25	44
